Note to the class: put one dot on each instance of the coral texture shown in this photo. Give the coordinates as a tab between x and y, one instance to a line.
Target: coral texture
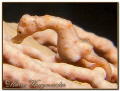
27	55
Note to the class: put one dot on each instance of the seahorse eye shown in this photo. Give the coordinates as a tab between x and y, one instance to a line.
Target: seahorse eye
19	32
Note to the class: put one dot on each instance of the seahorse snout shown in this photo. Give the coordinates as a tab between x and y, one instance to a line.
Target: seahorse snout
17	39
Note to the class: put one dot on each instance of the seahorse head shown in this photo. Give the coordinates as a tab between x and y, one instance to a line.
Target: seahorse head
26	27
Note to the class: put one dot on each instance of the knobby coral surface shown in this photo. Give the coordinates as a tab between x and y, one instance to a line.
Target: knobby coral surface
76	63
